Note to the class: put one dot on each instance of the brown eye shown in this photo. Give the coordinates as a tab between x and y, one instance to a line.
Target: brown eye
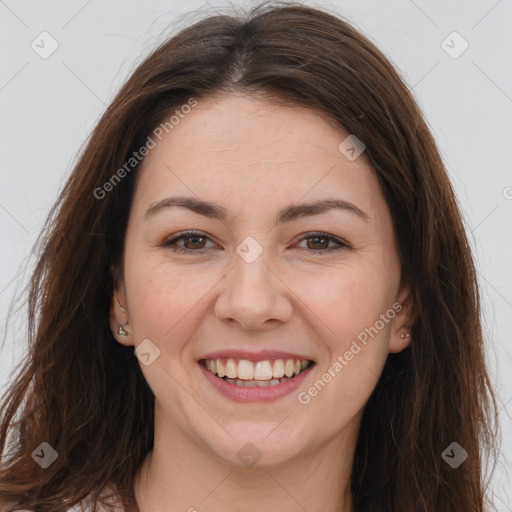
319	242
192	242
196	242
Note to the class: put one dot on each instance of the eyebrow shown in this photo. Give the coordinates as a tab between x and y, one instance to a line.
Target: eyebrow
287	214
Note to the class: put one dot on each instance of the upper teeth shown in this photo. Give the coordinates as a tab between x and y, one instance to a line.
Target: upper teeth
260	370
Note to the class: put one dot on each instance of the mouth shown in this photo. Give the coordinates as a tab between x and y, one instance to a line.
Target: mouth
244	380
250	374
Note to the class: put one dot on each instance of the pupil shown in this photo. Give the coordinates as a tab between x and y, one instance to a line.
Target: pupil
194	239
316	238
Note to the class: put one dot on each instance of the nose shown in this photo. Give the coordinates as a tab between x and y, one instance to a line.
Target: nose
254	295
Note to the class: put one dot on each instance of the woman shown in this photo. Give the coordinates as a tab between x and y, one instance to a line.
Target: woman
255	291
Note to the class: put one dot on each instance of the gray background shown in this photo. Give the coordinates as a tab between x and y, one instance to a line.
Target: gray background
49	106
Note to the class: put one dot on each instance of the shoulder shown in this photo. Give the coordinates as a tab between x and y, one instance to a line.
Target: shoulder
4	507
85	505
81	507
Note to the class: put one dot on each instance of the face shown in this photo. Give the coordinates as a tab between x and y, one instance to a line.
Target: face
263	279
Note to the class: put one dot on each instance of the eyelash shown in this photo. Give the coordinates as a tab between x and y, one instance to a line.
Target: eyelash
171	244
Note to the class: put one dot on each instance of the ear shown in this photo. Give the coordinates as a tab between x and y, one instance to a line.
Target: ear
119	315
401	326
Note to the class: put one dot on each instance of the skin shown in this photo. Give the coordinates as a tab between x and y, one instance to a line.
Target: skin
254	157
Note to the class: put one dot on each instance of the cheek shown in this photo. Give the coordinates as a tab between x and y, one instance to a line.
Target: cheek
337	396
347	299
165	299
164	303
355	339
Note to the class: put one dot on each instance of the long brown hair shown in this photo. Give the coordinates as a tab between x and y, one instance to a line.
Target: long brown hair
83	393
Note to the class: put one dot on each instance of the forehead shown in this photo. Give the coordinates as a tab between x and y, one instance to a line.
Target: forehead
253	128
236	147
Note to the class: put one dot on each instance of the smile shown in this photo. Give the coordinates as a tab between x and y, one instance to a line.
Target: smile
249	381
246	373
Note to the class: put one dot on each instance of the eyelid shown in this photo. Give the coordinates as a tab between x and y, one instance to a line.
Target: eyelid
185	234
341	244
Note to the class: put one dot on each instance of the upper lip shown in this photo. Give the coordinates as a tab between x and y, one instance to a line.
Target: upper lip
262	355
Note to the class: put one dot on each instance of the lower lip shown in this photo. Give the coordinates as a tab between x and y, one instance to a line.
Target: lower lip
244	394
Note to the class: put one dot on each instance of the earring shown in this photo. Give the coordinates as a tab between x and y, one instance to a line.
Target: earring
121	331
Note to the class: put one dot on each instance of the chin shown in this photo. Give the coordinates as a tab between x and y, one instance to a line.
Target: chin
254	449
